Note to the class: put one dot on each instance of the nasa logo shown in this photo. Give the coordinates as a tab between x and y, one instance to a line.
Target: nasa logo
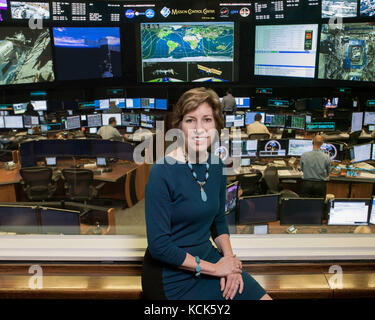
224	12
165	12
245	12
130	13
150	13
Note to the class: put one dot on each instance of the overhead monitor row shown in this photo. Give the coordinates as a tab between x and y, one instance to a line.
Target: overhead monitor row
187	52
115	12
78	121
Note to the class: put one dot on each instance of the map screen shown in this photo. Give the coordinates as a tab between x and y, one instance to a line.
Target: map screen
186	52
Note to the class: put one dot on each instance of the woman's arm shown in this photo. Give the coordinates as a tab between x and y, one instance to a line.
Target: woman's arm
223	244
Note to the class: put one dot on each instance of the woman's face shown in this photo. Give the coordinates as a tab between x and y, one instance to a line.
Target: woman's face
199	128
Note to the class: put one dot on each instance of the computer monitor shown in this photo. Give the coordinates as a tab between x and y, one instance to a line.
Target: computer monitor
258	209
272	148
360	153
13	122
70	112
94	120
357	119
348	212
161	104
30	121
369	118
101	162
107	116
101	104
130	119
245	162
278	103
73	122
148	103
50	161
133	103
18	219
60	221
320	126
250	116
234	120
118	102
147	121
244	148
373	152
93	130
372	214
129	129
275	120
330	103
303	211
39	105
19	108
371	128
334	150
308	118
295	122
83	117
297	147
242	103
231	197
2	124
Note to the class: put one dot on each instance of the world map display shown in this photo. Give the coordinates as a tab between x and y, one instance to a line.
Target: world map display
164	43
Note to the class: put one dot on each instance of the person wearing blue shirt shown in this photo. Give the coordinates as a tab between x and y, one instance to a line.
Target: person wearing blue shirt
315	166
184	207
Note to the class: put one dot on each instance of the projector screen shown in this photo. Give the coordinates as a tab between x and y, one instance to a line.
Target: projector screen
87	53
187	51
25	56
286	50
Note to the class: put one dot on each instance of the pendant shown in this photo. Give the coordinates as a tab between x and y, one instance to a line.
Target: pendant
203	195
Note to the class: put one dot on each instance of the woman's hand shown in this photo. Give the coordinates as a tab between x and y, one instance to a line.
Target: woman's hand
227	265
231	284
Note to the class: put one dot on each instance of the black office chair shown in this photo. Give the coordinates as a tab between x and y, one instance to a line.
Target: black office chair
271	178
249	183
79	184
353	138
38	182
259	136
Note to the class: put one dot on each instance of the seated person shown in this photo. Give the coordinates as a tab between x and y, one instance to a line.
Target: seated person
315	167
110	132
112	108
30	111
257	127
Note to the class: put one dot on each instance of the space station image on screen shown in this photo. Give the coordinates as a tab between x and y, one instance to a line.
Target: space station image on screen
348	53
87	53
186	52
25	56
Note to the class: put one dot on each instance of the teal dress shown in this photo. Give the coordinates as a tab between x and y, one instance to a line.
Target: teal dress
179	222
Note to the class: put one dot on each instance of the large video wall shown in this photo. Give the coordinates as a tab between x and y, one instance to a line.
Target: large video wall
317	41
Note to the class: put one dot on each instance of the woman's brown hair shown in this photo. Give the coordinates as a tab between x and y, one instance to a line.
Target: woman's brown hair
192	99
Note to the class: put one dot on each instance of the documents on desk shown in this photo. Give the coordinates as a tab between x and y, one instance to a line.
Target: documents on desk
364	165
289	173
367	175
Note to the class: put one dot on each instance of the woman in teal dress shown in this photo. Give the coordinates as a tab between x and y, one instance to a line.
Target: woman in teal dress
184	205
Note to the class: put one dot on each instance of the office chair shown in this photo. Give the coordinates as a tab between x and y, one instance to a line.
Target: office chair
38	182
353	138
249	183
79	184
271	178
259	136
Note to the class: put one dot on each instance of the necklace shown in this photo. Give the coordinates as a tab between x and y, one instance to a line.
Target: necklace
201	183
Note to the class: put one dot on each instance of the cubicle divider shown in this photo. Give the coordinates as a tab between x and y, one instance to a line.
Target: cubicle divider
31	151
